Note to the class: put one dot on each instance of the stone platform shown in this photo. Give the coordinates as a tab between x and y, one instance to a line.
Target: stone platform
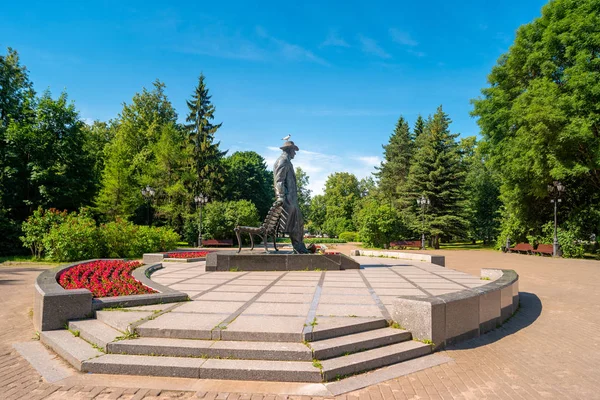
297	326
281	261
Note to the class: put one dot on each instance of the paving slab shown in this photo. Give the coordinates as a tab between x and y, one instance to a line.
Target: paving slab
285	298
121	320
348	310
198	287
344	345
95	332
341	290
292	309
289	282
208	307
239	288
173	325
399	292
265	328
392	285
291	289
348	299
229	296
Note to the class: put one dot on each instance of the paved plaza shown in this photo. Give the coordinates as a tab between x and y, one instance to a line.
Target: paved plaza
248	301
549	349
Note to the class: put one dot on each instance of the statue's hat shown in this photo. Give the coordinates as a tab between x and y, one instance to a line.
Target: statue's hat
289	145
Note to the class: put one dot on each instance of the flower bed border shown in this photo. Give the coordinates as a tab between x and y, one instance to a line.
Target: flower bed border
54	306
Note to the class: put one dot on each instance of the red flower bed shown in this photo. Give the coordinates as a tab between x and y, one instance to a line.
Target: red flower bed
186	254
104	278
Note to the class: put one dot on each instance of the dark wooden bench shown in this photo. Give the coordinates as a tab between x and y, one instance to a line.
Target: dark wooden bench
217	242
525	248
274	223
402	244
544	249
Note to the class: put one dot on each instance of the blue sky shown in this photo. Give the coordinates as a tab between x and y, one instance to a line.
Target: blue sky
334	75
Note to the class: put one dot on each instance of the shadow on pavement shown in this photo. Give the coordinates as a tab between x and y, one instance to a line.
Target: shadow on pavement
530	308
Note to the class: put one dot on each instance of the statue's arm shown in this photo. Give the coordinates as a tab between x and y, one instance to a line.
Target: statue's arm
280	175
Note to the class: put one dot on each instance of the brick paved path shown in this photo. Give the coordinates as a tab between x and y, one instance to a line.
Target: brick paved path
549	349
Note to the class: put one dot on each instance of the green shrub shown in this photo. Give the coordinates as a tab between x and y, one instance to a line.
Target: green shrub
570	246
124	239
336	225
77	238
37	227
119	239
220	218
150	239
349	236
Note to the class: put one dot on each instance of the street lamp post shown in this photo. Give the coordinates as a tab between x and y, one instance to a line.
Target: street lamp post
423	202
148	194
555	190
200	200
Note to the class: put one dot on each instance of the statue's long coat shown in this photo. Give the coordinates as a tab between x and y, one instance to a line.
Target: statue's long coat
286	188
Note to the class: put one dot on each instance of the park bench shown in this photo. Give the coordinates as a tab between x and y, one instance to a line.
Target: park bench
217	242
402	244
544	249
273	224
525	248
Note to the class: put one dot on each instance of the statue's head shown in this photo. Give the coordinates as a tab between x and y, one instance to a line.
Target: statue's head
290	148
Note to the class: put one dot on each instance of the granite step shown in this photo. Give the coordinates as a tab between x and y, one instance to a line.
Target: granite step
339	367
338	346
278	351
95	331
282	371
73	349
331	327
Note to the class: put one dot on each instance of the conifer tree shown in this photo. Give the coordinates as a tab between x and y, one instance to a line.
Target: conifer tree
397	156
437	173
419	126
209	171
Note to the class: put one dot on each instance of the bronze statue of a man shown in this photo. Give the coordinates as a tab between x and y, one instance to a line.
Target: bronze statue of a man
286	191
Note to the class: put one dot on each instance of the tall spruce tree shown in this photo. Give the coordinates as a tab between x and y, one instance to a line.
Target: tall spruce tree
419	126
209	171
437	173
397	156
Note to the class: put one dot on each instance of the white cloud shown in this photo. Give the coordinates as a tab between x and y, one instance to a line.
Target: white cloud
319	165
369	160
402	37
334	40
370	46
290	51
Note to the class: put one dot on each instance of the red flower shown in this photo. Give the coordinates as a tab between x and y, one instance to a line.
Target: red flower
104	278
186	254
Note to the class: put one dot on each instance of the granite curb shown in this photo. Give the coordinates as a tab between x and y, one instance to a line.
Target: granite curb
455	317
54	306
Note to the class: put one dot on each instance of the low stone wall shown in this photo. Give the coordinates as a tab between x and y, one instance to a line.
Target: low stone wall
455	317
228	261
437	260
54	306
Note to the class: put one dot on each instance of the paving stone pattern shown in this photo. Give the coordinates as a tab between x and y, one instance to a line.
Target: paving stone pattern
549	349
248	301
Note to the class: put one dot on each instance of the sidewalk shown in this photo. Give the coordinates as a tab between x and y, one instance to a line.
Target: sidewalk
549	349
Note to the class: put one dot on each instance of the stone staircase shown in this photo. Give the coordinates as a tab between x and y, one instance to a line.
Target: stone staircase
106	345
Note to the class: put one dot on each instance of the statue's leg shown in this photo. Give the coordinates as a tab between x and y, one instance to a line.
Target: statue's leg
266	242
251	242
239	239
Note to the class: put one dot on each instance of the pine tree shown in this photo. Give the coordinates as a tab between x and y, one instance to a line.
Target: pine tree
397	155
419	126
208	168
436	172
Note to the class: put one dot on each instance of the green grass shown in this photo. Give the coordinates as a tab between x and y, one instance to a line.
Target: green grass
25	259
467	246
